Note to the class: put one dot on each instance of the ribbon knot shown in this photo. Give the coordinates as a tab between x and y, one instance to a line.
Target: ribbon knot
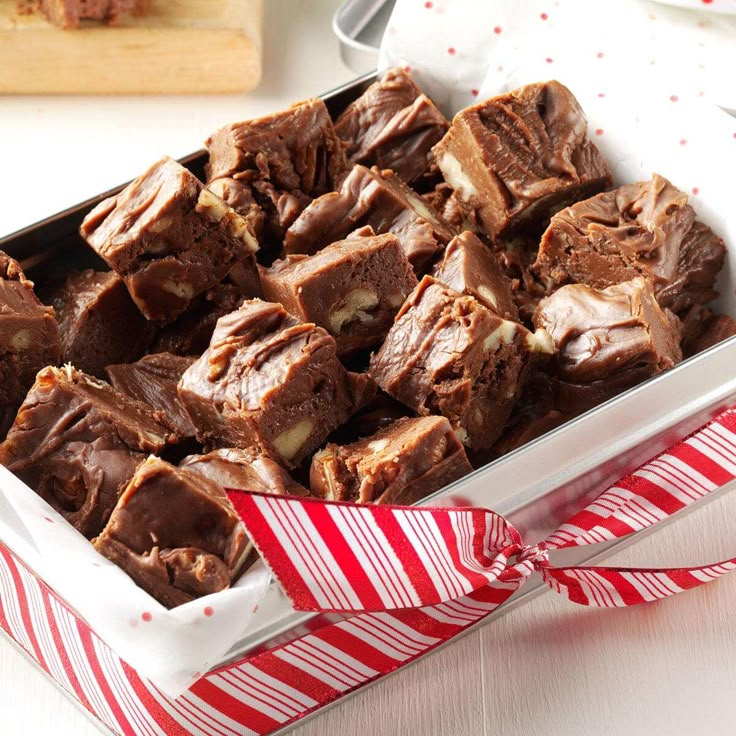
519	560
536	554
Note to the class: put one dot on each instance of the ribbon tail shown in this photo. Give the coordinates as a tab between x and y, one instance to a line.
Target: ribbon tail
618	587
687	472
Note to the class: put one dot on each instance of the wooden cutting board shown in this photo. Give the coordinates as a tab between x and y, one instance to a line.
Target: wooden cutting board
177	47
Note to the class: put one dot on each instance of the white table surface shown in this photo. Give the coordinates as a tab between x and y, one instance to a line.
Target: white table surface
548	667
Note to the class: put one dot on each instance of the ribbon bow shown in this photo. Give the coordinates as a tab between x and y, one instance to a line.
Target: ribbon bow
415	577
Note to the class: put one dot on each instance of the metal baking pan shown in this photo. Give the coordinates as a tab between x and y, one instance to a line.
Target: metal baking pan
538	485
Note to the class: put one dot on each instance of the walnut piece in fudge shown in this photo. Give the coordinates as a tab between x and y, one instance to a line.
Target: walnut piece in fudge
154	380
248	469
268	381
520	156
169	238
69	13
176	534
608	340
29	334
400	464
278	163
76	442
392	125
379	199
469	267
352	288
448	354
644	229
99	323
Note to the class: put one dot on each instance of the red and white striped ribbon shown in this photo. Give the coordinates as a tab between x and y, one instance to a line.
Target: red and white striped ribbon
357	557
419	576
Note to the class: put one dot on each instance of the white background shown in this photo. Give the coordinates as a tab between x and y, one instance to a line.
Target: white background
547	668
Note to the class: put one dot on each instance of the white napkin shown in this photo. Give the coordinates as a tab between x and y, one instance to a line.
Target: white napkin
464	50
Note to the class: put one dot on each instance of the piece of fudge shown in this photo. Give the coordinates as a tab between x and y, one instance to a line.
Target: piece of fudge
392	125
400	464
448	354
702	254
379	199
518	157
607	340
644	229
69	13
169	238
244	469
29	334
280	163
268	381
154	380
469	267
352	288
176	534
702	329
76	442
91	307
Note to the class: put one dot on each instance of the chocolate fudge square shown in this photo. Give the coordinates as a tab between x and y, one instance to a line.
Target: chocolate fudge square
76	442
393	125
379	199
29	334
268	381
154	380
176	534
519	157
91	308
703	328
607	340
644	229
275	165
447	354
469	267
400	464
702	255
169	238
352	288
245	469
